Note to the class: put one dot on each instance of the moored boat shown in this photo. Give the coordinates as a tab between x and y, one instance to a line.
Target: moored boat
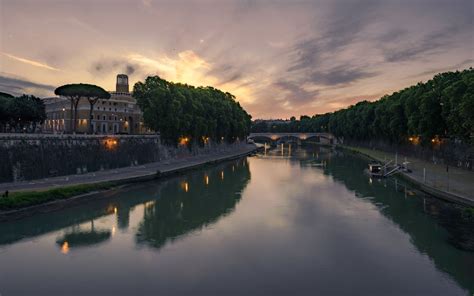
375	170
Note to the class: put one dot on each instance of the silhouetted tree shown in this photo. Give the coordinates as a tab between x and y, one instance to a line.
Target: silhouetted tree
74	92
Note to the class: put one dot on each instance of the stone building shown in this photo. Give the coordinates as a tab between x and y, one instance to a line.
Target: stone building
118	115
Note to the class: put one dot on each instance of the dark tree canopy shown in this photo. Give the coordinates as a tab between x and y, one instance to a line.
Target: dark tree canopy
442	107
21	112
82	90
195	113
5	95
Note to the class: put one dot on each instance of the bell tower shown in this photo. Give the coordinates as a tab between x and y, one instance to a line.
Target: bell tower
122	83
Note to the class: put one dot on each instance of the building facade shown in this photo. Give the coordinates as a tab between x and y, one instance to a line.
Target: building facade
118	115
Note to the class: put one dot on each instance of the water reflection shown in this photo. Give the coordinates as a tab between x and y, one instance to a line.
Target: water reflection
437	228
200	204
79	237
303	222
167	212
414	212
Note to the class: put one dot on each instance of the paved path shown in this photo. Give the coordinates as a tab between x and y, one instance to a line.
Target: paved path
126	173
454	181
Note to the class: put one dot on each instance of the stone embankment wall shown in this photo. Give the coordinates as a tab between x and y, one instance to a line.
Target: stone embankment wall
449	153
36	156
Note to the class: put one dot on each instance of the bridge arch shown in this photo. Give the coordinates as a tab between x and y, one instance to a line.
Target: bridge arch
324	138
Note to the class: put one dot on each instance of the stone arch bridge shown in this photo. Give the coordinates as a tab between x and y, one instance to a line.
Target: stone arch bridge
323	138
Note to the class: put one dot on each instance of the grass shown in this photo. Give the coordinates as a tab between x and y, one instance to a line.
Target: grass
17	200
375	154
468	213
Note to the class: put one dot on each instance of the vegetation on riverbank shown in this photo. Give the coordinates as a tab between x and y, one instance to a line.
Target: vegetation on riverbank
440	108
22	199
468	213
188	114
371	153
20	112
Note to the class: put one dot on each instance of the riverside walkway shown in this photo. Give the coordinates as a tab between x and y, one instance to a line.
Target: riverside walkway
128	174
453	184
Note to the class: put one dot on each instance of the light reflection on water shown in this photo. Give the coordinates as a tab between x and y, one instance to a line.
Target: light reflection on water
289	221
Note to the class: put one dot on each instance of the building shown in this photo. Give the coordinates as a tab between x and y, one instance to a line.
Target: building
118	115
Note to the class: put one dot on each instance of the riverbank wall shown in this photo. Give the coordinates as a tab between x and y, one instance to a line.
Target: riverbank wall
445	152
459	189
29	198
26	157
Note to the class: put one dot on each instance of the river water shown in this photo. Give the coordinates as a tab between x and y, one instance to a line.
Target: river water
300	222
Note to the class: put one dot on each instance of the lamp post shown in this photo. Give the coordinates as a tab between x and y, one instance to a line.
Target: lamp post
64	119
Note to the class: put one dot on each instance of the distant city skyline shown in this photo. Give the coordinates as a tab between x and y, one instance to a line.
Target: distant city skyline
279	58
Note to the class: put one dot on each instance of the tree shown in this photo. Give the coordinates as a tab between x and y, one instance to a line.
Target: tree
21	112
5	116
5	95
188	114
442	107
77	91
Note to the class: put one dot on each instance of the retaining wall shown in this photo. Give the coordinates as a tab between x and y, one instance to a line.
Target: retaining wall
37	156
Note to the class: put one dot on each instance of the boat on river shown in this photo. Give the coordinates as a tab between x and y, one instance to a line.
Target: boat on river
375	170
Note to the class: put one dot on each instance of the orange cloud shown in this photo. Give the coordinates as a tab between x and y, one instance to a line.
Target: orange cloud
30	62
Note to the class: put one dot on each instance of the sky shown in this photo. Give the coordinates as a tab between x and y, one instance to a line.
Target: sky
279	58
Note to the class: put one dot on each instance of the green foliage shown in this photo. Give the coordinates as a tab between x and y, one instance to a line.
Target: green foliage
81	90
180	110
18	200
442	107
20	112
468	213
5	95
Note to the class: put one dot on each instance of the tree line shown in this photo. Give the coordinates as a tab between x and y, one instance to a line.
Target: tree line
441	108
188	114
23	113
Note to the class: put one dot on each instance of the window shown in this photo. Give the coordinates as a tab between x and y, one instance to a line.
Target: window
98	117
104	117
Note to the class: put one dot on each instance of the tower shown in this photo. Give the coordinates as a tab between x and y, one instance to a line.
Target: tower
122	83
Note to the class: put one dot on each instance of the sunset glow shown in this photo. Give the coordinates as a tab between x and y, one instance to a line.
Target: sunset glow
278	58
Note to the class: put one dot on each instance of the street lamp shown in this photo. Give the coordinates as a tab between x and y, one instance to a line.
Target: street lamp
64	119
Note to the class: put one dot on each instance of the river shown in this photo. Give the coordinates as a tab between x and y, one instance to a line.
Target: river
300	222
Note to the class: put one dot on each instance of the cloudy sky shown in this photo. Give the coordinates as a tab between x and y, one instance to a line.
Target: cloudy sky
280	58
